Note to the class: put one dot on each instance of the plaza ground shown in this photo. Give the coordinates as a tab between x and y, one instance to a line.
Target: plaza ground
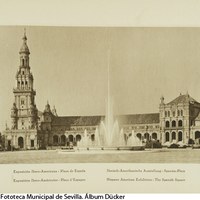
146	156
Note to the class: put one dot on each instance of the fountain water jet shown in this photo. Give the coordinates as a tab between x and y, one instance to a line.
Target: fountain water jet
109	134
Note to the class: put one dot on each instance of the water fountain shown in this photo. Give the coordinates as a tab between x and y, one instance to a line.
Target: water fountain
109	135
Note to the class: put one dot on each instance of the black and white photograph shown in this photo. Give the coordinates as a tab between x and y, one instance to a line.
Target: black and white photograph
99	95
99	99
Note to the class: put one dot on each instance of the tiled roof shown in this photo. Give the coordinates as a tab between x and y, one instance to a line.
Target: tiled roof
77	120
183	99
95	120
139	118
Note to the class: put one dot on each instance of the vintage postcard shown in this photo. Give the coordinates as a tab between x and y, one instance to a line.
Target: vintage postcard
114	105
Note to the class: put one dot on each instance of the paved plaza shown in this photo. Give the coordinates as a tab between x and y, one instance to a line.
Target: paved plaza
147	156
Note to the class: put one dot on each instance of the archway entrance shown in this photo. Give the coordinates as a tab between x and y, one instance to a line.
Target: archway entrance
154	136
173	136
197	137
21	142
93	137
167	137
63	140
180	136
55	140
9	145
139	135
78	138
146	136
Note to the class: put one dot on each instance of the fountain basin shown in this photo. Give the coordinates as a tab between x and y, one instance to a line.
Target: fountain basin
120	148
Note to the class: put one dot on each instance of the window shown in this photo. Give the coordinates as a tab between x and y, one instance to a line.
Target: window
22	102
173	136
180	123
178	112
181	112
173	123
180	137
167	124
168	113
165	113
174	113
166	137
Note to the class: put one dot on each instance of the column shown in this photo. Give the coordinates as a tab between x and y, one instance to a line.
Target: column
28	141
13	140
170	136
35	142
18	102
163	137
183	136
26	101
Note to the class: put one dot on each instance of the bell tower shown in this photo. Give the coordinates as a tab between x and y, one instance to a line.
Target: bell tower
24	113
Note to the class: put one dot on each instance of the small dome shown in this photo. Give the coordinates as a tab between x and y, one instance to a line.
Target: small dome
24	48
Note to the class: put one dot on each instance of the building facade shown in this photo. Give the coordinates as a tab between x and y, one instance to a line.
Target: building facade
177	121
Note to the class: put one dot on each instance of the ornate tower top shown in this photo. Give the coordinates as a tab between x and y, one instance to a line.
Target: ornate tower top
54	112
162	100
24	48
47	107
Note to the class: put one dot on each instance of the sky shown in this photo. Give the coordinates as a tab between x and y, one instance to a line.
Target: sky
70	67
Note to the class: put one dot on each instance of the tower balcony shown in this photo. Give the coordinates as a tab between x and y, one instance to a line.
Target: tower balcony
24	90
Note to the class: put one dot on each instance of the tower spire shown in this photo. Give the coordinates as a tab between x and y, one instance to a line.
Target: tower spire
24	49
24	37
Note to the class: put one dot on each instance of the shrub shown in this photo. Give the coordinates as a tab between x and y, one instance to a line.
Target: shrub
153	144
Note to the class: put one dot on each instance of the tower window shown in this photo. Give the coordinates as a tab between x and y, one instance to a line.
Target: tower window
23	72
181	112
22	62
22	102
